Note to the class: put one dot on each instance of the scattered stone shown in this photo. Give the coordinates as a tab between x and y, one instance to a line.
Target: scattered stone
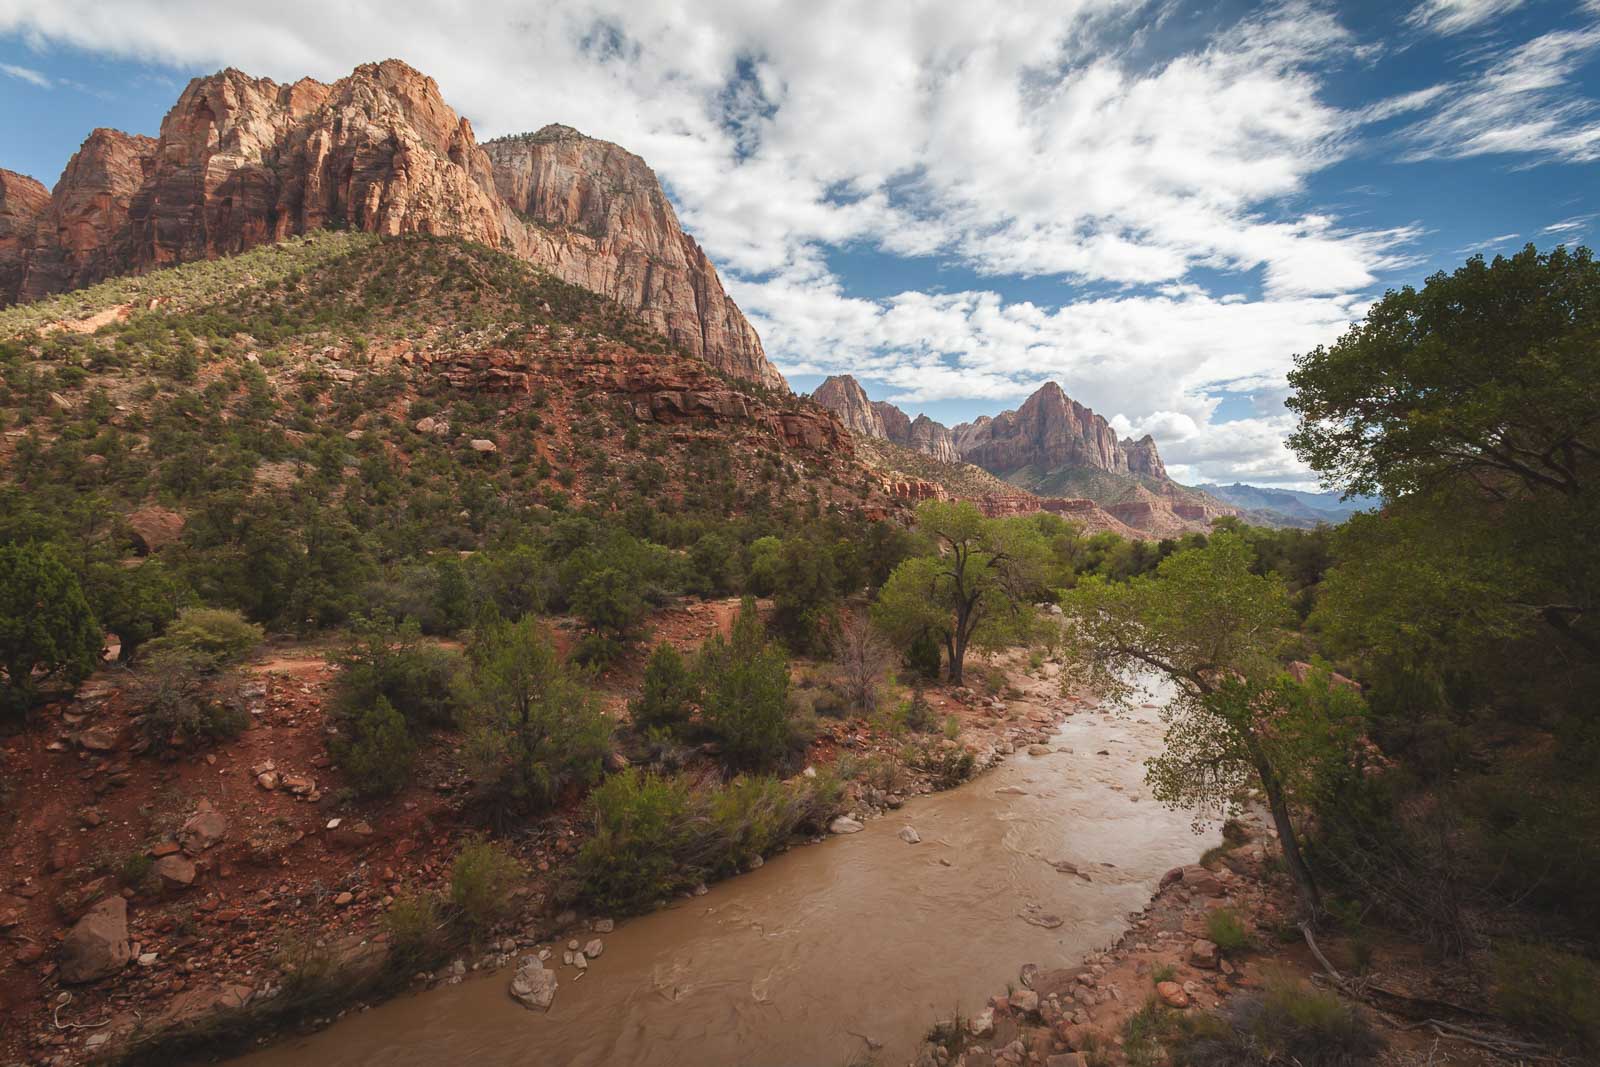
103	738
1199	880
97	945
982	1024
205	828
909	835
1172	994
479	444
593	949
268	780
604	926
298	784
844	824
1039	750
344	900
1025	1001
175	871
1048	920
534	986
1203	954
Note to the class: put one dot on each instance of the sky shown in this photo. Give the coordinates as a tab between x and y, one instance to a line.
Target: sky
1155	204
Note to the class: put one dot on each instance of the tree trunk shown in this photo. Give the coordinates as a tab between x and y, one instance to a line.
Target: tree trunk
955	657
1305	885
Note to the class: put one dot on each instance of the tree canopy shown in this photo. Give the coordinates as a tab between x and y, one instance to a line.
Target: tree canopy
977	588
1216	631
1488	372
46	625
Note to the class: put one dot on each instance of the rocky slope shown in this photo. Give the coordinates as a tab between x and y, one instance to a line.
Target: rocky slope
244	161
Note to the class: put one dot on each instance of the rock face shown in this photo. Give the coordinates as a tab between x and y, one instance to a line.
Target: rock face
1049	430
24	204
242	161
97	945
844	396
1143	457
603	222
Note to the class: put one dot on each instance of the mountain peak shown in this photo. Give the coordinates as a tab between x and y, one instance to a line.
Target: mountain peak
244	161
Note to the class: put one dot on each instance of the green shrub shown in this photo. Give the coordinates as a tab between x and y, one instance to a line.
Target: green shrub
180	703
745	685
597	650
669	695
210	638
389	661
533	726
656	836
375	749
1548	991
481	881
46	624
1227	931
641	832
923	655
917	714
947	764
1290	1022
417	932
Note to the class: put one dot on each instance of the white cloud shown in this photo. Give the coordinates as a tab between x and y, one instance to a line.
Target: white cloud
1455	16
1045	138
27	74
1150	364
1525	103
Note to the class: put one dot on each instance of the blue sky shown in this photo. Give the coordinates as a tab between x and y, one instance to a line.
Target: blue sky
1155	204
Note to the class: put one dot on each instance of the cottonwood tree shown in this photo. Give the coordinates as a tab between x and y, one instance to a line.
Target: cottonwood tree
977	589
1485	377
1213	628
46	625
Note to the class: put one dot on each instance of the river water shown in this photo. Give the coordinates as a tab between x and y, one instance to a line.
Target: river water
799	962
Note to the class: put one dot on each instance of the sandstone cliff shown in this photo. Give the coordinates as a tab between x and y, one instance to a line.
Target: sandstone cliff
242	161
601	220
1049	430
843	395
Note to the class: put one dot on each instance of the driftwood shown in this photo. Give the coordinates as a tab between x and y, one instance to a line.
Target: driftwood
1422	1005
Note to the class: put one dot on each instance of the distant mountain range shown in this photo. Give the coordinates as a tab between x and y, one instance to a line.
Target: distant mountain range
1295	504
1062	457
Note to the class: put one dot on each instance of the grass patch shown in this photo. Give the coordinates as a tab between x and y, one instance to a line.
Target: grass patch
1227	931
1547	991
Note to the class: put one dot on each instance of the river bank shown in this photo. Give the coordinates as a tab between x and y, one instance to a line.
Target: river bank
296	871
835	953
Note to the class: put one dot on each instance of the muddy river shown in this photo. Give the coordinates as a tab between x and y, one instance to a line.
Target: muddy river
861	937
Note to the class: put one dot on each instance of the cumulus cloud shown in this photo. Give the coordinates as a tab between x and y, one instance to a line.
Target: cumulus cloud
1052	139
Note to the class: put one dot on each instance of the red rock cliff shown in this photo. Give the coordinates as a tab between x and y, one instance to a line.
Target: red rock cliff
603	222
242	161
